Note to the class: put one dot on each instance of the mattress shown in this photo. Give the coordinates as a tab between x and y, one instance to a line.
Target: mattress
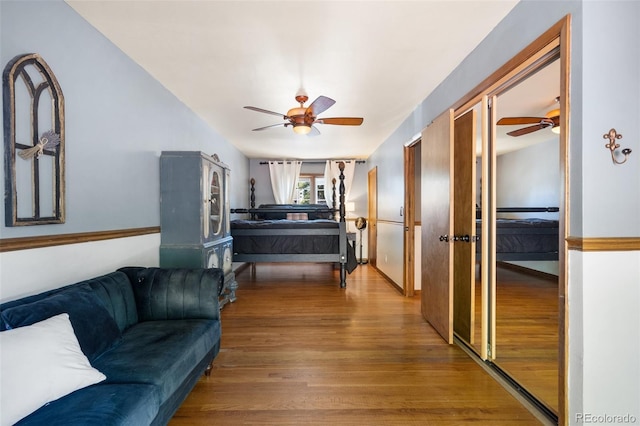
285	236
524	236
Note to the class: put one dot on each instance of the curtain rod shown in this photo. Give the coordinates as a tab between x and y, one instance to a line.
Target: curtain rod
316	161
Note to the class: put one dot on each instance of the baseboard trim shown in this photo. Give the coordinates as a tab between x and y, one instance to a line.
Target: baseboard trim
389	280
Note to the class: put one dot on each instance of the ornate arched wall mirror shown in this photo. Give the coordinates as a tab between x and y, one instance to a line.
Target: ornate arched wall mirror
34	143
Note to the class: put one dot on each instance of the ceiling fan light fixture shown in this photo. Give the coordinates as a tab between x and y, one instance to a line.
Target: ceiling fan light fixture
553	115
295	112
301	129
302	118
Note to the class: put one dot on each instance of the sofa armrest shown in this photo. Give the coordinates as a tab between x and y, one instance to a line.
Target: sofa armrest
175	293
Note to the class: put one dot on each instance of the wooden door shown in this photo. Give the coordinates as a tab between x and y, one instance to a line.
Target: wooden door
372	226
437	221
409	219
464	224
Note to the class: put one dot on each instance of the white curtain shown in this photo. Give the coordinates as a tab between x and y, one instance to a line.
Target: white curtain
331	171
284	180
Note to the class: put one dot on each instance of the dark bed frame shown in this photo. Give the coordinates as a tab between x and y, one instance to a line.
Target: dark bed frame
535	239
340	256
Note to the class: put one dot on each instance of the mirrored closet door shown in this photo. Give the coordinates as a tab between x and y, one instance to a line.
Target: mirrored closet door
527	199
516	196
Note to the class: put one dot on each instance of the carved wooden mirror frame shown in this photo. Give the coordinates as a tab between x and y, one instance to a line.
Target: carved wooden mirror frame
34	143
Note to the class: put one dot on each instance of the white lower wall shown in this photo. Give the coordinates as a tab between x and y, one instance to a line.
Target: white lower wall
27	272
390	250
604	377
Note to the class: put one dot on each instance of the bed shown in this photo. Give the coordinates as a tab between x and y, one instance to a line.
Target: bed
294	233
524	239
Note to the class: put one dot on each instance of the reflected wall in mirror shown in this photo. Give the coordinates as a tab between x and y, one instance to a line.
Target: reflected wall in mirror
34	143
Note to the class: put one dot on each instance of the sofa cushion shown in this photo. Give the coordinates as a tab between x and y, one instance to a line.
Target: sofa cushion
175	293
163	353
94	327
41	363
116	293
104	404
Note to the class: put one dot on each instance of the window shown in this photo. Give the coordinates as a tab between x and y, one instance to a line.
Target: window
304	191
310	190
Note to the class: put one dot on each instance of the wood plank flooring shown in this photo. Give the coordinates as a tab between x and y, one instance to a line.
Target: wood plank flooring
527	332
298	350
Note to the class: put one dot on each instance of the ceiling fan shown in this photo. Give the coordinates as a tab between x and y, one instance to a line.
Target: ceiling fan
303	118
550	119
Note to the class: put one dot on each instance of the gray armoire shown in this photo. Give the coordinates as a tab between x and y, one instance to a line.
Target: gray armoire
195	215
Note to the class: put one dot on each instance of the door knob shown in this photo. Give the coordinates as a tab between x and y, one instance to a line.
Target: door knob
444	238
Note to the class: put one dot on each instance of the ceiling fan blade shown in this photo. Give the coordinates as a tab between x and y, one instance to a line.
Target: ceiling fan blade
343	121
527	130
314	131
509	121
266	111
321	104
268	127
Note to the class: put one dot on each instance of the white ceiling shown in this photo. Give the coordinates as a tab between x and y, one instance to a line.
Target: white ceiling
377	59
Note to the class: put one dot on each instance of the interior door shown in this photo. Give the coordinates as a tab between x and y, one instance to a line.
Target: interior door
437	225
372	233
409	220
464	224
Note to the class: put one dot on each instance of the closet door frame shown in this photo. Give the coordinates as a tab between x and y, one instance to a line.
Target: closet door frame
554	42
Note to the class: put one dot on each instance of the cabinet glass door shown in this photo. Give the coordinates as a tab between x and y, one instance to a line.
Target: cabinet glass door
215	202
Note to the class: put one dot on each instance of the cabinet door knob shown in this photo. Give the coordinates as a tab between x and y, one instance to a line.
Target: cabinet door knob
444	238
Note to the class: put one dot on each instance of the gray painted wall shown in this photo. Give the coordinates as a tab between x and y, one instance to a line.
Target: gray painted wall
609	96
529	178
118	120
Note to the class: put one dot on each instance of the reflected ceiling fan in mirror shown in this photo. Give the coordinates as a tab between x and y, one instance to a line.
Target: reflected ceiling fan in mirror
550	119
302	118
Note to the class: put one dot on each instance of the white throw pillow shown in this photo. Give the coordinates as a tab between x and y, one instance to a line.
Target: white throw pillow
40	363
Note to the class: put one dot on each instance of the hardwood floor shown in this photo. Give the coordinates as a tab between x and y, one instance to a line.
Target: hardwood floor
298	350
527	332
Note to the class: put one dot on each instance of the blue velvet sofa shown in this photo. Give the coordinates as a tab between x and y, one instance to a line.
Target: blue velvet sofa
151	331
